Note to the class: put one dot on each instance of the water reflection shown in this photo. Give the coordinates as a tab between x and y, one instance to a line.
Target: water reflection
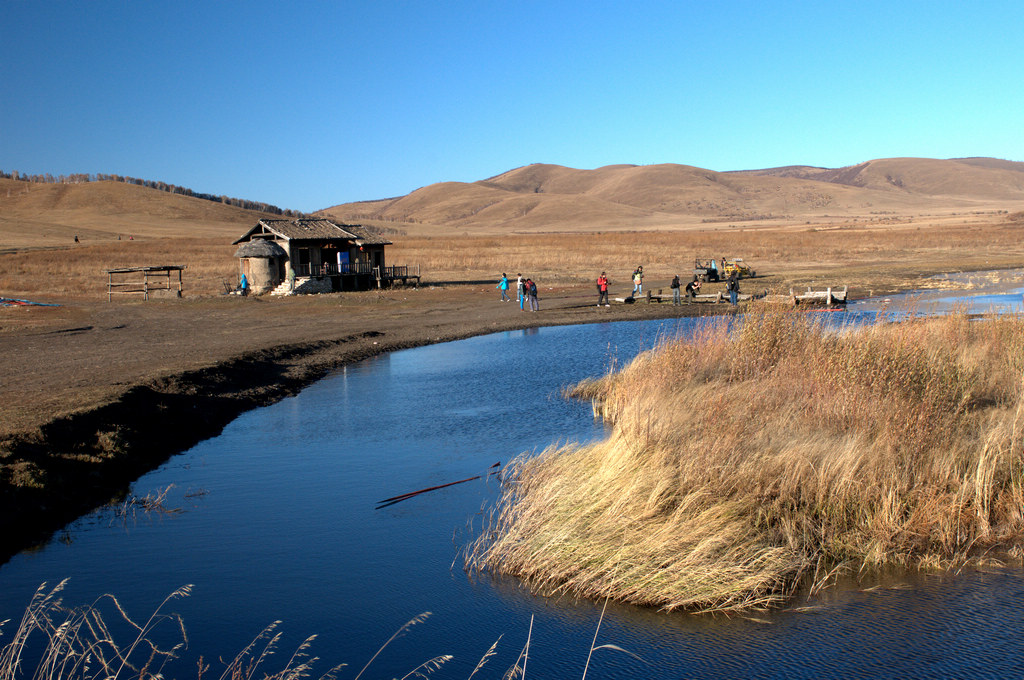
289	530
994	292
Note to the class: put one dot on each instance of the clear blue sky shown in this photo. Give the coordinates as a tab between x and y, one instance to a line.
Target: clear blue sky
310	104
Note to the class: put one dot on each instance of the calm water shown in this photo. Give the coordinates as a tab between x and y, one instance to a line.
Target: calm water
280	523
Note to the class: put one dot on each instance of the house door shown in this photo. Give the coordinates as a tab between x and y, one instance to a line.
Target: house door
302	266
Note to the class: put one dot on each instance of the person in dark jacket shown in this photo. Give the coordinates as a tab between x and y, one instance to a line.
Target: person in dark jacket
692	288
531	293
675	289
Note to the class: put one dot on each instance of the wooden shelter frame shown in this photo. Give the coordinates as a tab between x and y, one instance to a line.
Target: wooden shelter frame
160	274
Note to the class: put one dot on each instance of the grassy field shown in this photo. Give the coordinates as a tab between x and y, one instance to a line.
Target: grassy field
872	258
750	459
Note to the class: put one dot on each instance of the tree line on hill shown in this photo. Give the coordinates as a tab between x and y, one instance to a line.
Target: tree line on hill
81	178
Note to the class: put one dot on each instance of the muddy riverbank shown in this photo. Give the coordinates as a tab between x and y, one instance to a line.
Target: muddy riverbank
95	394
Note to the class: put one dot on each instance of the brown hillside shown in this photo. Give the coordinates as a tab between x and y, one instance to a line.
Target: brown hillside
554	198
970	178
35	214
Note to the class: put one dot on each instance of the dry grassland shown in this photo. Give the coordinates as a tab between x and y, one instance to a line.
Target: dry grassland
77	271
869	258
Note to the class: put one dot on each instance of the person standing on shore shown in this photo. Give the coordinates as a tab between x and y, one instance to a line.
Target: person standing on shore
675	289
732	285
638	281
602	290
521	291
503	285
531	292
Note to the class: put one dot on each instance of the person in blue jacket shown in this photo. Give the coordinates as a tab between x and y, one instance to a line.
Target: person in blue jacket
503	285
244	285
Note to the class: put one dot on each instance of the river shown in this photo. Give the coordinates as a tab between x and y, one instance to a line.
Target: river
279	520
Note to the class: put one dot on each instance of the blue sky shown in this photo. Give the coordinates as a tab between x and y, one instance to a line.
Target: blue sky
310	104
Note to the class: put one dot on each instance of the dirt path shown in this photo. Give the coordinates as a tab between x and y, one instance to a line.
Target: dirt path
96	393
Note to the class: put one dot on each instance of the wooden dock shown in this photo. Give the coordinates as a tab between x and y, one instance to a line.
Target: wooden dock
827	297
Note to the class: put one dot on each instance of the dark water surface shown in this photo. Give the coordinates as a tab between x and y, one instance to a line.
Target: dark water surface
280	523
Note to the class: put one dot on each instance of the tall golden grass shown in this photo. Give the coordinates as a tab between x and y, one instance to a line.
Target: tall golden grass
746	460
56	642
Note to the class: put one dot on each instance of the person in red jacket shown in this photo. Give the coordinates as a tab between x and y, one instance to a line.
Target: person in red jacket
602	290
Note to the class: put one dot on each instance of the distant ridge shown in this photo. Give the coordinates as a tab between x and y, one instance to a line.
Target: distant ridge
83	178
39	214
553	197
544	198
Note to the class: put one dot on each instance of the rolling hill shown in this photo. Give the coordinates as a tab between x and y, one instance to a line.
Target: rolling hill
546	198
543	197
36	214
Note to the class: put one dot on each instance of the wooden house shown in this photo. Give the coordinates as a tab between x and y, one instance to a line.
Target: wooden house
325	256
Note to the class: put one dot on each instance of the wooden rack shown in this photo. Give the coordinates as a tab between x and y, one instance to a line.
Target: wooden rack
153	278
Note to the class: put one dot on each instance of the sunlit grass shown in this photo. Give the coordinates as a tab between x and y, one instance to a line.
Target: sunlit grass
745	459
57	642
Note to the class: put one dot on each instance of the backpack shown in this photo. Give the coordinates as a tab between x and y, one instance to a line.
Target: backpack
533	289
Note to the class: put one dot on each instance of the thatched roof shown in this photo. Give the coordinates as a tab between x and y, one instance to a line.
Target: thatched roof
314	229
260	248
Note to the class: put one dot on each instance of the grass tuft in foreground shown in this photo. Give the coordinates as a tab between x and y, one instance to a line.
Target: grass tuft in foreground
54	642
748	458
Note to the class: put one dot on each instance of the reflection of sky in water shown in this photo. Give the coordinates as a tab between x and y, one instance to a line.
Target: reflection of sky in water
975	293
288	528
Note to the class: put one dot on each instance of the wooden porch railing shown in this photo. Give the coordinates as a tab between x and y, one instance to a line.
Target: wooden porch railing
379	273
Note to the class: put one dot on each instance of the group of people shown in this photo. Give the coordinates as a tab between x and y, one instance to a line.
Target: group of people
526	292
526	289
732	285
691	289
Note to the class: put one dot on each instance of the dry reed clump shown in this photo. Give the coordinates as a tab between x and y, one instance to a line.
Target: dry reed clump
78	642
56	642
752	455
